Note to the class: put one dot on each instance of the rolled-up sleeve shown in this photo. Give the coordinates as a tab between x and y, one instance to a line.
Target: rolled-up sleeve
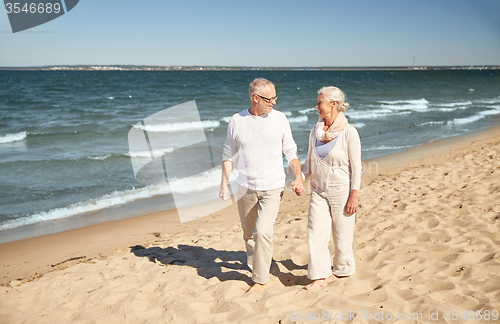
354	149
289	146
230	149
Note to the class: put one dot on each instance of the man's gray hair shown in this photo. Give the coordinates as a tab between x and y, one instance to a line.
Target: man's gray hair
333	94
258	85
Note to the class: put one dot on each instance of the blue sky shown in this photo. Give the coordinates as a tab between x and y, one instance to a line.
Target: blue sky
261	33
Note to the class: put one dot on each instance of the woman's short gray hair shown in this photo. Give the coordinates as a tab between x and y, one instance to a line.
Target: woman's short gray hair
258	85
333	94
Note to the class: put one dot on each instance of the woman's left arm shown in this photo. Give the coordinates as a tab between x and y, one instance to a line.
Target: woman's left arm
352	203
354	151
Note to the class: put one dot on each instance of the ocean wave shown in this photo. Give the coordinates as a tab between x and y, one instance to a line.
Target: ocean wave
287	113
411	101
465	120
474	118
180	127
226	119
358	125
419	104
110	200
99	158
199	182
462	105
11	138
431	123
299	119
444	109
308	110
368	114
53	133
489	101
384	147
111	98
147	154
138	154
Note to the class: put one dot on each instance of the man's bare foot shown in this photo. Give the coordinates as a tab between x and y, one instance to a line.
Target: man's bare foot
257	287
320	283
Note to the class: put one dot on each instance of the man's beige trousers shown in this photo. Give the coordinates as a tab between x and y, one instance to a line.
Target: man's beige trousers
258	210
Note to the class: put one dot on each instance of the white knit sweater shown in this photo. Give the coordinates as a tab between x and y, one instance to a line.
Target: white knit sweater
259	142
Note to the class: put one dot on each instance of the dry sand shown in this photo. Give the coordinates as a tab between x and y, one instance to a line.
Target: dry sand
427	244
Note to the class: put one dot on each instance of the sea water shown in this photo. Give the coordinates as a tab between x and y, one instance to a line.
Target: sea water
64	155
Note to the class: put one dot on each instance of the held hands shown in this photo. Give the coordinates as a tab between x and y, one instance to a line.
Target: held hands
298	186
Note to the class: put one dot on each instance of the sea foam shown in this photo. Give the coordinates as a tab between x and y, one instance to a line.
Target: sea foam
11	138
476	117
489	101
419	104
180	127
368	114
113	199
308	110
299	119
195	183
462	105
99	158
147	154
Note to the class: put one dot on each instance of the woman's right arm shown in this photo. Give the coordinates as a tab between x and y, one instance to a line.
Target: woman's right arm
354	155
306	167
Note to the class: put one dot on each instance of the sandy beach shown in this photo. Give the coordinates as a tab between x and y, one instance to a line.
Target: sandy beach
427	247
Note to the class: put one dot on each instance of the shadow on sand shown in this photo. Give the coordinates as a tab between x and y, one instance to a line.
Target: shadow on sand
222	264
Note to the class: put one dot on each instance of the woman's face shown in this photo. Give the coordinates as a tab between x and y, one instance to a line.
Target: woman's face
325	108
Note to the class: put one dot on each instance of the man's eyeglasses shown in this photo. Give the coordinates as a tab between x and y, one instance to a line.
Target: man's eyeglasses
268	99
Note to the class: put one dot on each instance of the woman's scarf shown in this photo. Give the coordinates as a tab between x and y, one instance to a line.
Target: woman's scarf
333	131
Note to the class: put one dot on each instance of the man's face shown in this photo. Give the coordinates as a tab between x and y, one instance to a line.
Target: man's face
265	105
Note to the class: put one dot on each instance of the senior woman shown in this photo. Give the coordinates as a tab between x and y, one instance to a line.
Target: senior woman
334	163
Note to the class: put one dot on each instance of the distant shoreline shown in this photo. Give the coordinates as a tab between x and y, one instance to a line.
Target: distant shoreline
242	68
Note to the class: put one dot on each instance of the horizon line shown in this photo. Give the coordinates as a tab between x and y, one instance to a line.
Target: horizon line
235	67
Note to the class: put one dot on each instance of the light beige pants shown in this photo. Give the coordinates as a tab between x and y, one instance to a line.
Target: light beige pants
326	217
258	210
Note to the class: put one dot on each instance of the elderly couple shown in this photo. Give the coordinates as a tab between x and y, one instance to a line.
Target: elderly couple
258	137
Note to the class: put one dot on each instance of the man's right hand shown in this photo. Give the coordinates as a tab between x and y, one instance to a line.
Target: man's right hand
223	194
297	187
227	167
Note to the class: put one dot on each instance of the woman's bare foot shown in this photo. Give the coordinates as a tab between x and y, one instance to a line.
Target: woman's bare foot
257	287
316	284
320	283
332	278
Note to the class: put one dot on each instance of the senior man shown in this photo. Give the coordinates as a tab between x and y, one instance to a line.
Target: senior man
259	136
